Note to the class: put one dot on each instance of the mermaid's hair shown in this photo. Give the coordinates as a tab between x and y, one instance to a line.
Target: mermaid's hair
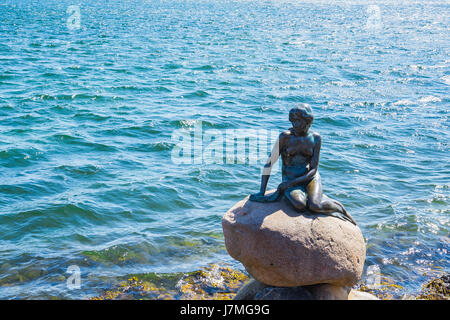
303	110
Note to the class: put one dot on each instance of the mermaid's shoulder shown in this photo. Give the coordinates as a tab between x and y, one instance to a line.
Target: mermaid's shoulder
286	133
316	136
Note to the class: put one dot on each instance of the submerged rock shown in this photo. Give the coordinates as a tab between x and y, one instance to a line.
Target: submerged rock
436	289
210	283
279	246
215	282
386	289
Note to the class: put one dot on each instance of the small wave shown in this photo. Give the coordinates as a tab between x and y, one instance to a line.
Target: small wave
161	89
121	70
196	94
430	99
16	157
51	75
237	69
71	140
60	216
153	147
29	189
43	97
84	170
191	123
26	119
4	76
337	121
173	66
119	254
184	123
91	116
74	66
62	109
417	67
446	80
133	131
404	102
355	76
127	88
340	83
71	97
206	67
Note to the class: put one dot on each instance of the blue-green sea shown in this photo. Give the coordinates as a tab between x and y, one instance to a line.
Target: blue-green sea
91	93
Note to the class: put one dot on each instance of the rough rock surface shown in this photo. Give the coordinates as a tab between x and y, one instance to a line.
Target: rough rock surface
359	295
279	246
255	290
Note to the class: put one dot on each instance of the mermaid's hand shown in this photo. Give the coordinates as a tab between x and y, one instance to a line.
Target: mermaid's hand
258	197
273	197
283	187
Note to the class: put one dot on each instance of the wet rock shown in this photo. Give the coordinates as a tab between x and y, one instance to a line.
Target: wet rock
359	295
436	289
255	290
329	292
210	283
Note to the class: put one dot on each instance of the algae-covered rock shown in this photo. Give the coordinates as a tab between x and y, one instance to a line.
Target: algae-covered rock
385	290
210	283
436	289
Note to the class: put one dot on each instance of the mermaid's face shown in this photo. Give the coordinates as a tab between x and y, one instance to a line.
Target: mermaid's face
300	124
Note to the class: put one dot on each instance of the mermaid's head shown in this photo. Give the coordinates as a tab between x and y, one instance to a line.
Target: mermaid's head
302	110
301	118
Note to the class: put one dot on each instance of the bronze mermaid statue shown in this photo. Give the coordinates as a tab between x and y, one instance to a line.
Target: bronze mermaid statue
301	183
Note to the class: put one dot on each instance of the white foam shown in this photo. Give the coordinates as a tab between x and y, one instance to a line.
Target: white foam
446	80
430	99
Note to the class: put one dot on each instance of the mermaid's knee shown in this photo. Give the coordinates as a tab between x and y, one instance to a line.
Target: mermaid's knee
296	203
315	206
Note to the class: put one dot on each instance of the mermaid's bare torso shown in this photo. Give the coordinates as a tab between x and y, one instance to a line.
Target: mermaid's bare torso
296	156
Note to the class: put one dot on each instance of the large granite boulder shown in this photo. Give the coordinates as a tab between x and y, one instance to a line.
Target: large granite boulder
279	246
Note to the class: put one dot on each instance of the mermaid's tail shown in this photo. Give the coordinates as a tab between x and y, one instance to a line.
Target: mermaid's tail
345	214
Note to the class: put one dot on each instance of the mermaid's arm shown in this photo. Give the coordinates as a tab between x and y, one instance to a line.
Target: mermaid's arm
273	158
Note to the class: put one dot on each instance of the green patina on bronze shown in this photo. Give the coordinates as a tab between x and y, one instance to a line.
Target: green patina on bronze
301	183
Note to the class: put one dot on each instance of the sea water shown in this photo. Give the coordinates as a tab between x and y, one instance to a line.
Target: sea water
95	95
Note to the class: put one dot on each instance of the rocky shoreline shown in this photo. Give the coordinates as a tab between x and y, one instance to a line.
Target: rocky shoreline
215	282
